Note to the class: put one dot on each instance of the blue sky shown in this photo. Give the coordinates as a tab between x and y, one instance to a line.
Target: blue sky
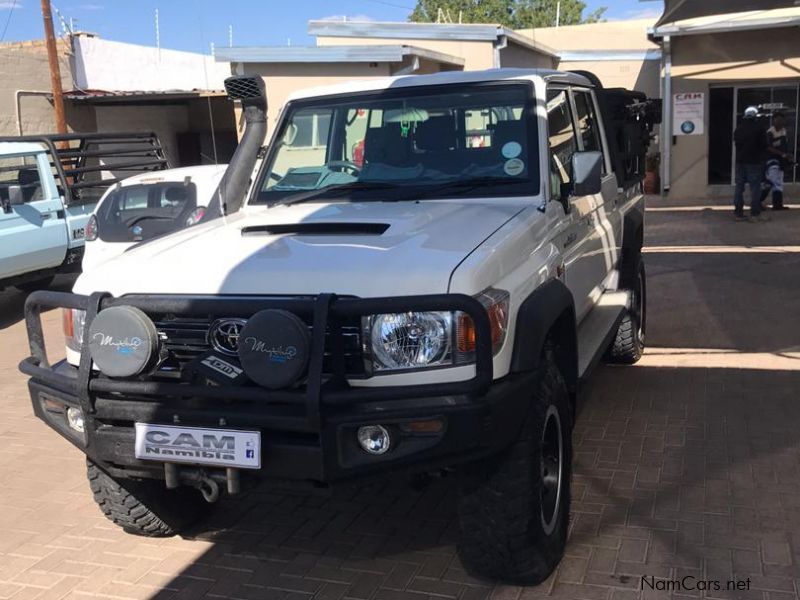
193	24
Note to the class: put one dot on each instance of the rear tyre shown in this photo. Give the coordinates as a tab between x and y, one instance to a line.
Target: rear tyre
514	509
37	284
628	345
145	507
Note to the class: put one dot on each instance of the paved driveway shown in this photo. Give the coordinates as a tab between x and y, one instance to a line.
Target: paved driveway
688	465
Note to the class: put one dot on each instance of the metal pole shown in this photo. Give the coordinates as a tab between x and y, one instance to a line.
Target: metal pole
55	71
666	121
558	13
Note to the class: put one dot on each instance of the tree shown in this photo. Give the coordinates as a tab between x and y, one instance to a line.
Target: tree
516	14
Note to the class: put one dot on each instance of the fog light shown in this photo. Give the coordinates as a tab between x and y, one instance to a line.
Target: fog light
374	439
75	419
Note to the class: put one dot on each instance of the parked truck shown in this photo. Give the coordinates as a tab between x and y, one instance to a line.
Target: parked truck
423	288
49	186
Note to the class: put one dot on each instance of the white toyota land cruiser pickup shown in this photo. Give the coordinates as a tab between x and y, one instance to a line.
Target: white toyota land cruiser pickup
416	276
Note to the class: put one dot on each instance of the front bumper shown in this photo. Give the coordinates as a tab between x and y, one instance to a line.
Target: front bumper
308	433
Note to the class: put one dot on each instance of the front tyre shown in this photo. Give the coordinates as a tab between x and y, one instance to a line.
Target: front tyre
514	509
144	507
628	345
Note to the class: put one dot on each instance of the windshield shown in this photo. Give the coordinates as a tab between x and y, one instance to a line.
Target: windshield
139	212
416	143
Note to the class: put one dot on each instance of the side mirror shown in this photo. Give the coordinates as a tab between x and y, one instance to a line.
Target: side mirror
15	197
587	173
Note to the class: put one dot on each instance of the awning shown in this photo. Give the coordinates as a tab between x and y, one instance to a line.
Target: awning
680	10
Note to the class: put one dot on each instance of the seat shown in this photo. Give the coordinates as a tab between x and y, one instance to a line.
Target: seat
386	145
437	134
30	183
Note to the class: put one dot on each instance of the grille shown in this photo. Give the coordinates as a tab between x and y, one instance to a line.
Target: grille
185	339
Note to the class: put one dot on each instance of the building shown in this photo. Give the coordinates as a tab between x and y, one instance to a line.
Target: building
348	50
715	64
113	86
286	69
618	52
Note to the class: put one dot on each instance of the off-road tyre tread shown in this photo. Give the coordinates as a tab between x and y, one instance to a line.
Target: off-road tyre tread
626	349
501	533
141	509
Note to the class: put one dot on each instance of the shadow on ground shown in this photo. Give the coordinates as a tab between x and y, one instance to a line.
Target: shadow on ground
12	300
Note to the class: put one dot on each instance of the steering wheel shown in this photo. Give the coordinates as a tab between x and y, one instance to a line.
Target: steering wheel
344	165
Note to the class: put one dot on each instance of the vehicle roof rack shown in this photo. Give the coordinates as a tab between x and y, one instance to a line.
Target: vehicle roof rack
86	164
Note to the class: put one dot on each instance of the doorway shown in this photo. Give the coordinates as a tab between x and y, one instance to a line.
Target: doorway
727	105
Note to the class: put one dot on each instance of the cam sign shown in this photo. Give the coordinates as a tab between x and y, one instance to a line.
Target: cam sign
688	111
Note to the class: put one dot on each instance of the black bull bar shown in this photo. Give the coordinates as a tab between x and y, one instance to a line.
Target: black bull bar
320	391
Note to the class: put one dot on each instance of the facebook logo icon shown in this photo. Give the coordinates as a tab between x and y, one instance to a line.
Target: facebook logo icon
249	453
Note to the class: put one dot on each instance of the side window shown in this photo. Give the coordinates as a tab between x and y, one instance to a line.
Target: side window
561	135
135	198
587	123
22	172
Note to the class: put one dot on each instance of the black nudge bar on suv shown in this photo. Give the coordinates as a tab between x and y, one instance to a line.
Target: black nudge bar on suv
309	432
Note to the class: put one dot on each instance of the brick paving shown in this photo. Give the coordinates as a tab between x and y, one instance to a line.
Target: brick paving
688	464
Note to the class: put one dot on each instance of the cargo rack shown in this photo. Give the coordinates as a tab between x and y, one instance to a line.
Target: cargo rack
78	160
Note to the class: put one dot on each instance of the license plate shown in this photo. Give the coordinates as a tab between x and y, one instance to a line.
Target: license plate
197	445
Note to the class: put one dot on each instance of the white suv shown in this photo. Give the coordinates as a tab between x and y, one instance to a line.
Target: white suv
417	275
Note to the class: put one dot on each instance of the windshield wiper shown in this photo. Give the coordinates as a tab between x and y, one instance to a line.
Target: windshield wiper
462	185
332	191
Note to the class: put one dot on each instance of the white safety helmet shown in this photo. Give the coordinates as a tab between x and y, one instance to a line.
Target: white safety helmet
751	112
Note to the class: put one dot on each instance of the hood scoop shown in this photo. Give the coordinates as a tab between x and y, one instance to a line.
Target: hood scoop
317	229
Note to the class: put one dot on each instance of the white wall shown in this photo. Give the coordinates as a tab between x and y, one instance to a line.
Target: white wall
105	65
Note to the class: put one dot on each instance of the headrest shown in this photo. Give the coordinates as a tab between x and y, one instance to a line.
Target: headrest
386	145
436	134
28	175
176	194
507	131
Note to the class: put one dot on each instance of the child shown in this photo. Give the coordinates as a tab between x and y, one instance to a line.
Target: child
778	159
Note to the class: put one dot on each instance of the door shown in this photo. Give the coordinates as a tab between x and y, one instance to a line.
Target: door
33	234
607	218
575	239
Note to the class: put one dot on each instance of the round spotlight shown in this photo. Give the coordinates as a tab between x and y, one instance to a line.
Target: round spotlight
374	439
75	419
123	341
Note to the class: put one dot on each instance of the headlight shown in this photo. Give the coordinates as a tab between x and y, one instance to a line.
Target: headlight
73	321
414	340
410	340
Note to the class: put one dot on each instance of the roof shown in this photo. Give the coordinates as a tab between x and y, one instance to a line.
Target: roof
7	148
170	175
681	10
443	78
107	97
610	55
331	54
425	31
741	21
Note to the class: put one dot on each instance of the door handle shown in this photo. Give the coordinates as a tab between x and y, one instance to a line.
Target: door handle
46	216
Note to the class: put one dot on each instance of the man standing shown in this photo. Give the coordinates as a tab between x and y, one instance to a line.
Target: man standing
778	160
751	144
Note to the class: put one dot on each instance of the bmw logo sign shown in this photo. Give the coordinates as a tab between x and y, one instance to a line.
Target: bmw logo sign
687	127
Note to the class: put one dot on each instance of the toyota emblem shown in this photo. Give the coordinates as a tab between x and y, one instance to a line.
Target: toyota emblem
223	335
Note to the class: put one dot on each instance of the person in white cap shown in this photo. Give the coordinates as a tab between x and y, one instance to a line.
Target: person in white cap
751	144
